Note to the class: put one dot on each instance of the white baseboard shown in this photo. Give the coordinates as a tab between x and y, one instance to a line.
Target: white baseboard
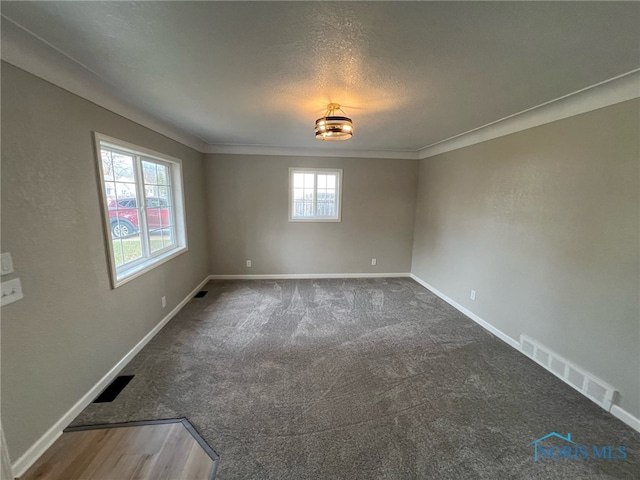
21	465
484	324
307	275
626	417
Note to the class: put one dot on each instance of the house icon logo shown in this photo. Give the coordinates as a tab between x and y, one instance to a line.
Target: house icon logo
570	450
548	435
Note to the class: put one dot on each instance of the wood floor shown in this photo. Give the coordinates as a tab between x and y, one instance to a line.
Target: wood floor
158	451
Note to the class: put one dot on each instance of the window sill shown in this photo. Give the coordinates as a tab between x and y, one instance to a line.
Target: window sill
145	267
320	220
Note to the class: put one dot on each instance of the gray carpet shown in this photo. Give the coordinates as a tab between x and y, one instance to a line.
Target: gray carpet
357	379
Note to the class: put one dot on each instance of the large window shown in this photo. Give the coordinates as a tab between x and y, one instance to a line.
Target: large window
143	207
314	195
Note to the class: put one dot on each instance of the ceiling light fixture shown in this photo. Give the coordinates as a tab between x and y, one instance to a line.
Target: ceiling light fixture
333	127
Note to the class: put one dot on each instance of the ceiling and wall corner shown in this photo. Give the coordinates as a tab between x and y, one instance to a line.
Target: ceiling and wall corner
613	91
418	78
32	54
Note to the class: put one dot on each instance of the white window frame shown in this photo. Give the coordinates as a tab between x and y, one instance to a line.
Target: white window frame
125	273
316	171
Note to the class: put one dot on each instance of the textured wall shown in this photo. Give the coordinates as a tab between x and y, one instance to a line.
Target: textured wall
248	217
543	224
72	328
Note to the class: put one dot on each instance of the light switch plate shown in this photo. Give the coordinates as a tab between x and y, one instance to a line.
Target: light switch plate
11	291
6	264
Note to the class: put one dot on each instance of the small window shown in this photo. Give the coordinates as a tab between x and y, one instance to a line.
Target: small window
314	195
144	215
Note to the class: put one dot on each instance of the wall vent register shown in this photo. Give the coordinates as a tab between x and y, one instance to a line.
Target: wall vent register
586	383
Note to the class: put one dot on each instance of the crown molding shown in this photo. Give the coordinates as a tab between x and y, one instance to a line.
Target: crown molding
27	51
615	90
308	152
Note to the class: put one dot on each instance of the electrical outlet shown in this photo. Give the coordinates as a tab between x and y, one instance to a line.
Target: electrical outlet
374	261
164	302
6	264
248	263
473	295
11	291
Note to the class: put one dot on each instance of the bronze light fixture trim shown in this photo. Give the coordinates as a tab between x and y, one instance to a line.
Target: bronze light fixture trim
334	127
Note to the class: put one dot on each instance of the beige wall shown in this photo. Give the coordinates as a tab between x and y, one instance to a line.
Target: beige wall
248	217
72	328
543	224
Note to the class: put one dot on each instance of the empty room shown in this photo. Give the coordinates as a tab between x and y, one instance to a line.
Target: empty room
320	240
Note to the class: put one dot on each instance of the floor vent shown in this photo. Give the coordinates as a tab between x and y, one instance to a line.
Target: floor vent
590	386
201	294
113	390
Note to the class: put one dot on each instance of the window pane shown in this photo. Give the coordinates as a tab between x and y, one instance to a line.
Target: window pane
331	181
308	180
110	192
326	209
302	208
167	217
149	172
298	194
154	218
130	248
310	199
330	196
298	180
162	199
168	237
155	240
117	252
107	165
123	212
122	209
116	166
163	175
150	190
326	203
165	194
123	225
124	193
122	167
322	181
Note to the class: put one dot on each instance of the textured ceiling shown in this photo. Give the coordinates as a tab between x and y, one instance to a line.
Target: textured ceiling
409	73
